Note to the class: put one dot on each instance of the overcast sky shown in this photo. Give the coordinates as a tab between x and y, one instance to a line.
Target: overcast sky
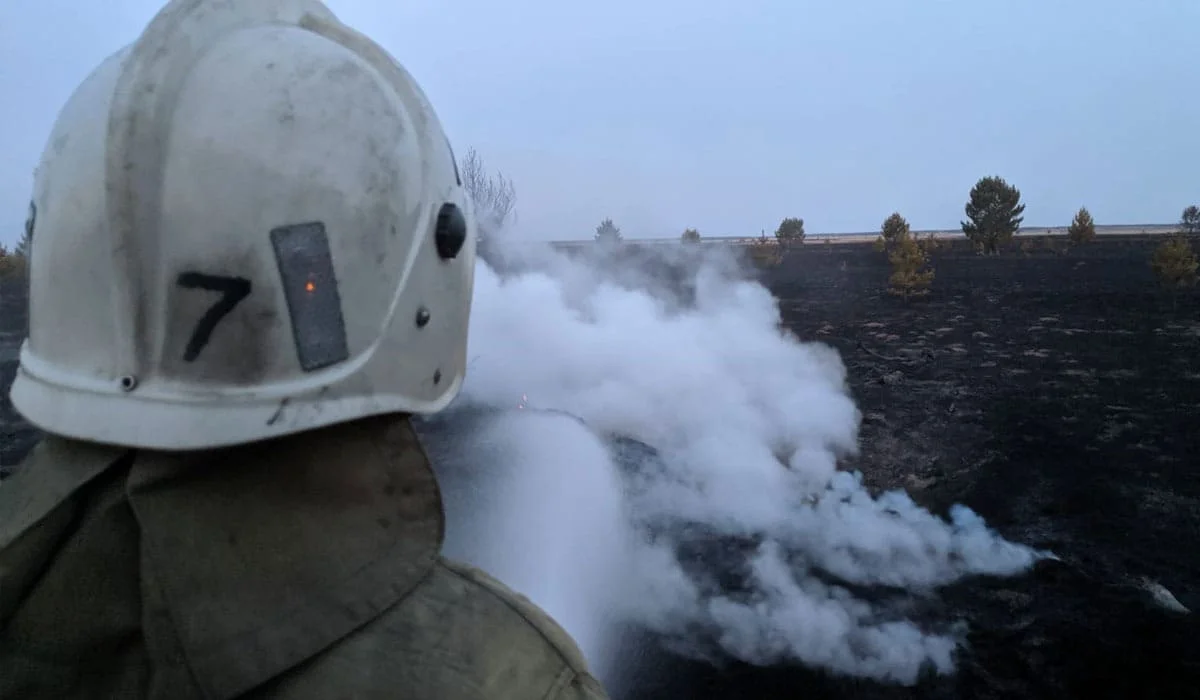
729	115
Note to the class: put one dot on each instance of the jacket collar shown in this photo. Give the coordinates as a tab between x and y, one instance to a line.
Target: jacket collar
256	558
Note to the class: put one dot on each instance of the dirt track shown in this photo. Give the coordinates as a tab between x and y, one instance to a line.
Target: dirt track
1056	393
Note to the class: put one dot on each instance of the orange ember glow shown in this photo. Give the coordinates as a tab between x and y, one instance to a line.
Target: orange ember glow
309	286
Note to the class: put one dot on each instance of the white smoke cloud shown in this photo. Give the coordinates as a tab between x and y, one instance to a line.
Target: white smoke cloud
750	423
533	499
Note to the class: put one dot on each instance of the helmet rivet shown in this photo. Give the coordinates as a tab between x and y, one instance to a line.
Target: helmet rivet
128	382
422	317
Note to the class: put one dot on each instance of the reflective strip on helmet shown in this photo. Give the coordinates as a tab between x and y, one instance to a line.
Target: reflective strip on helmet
311	289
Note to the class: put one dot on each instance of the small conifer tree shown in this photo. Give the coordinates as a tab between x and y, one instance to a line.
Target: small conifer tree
911	275
607	232
1082	228
1174	263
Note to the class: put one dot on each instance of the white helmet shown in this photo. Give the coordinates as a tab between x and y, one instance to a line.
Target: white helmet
248	223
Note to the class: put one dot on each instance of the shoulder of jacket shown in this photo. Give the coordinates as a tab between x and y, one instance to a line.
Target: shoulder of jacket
49	476
526	609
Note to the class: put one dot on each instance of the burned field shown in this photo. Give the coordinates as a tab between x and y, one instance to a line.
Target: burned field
1057	393
1054	391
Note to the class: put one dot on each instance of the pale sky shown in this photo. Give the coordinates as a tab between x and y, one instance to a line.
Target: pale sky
728	116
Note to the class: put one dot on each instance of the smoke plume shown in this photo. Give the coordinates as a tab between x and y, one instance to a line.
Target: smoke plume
742	538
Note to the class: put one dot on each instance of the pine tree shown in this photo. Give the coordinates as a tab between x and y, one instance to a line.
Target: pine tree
911	275
607	232
994	212
894	228
1082	228
1174	263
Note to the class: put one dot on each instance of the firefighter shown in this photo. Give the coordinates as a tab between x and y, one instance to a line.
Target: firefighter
254	261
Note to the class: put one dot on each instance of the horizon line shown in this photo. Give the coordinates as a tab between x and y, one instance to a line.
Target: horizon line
1108	229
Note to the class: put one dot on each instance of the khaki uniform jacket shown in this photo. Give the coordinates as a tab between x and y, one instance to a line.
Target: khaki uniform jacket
305	567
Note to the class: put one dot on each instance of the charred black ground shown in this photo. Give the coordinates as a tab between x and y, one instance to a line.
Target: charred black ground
1055	391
